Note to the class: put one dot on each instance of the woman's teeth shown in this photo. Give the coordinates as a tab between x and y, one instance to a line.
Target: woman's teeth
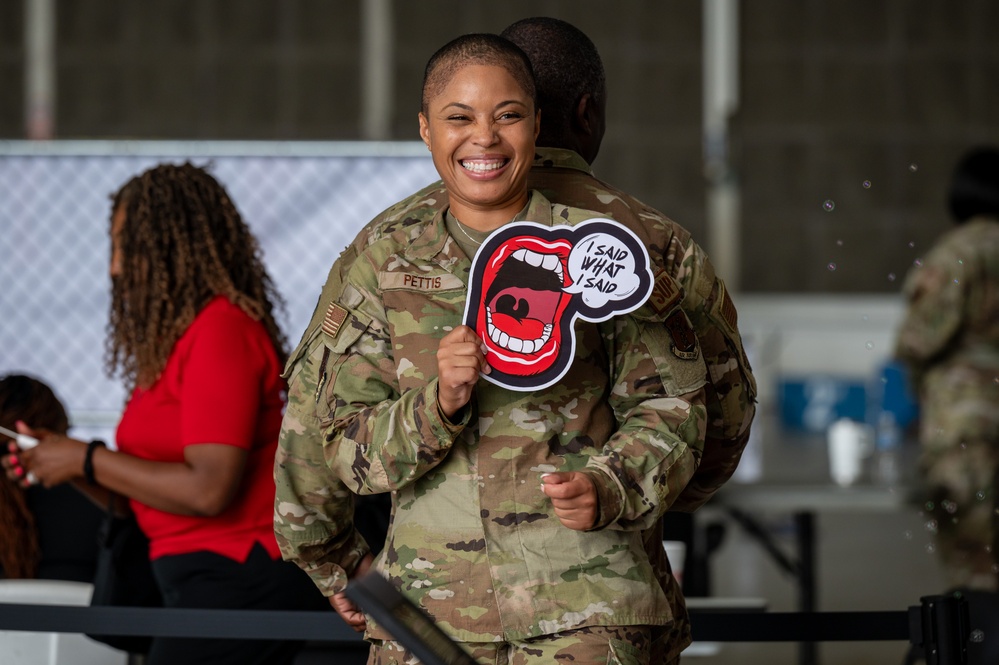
482	167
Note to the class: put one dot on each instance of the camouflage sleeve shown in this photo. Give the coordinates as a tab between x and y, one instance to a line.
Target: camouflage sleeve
730	393
313	510
658	400
380	440
935	297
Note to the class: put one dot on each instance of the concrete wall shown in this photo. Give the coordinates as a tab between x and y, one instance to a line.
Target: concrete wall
834	95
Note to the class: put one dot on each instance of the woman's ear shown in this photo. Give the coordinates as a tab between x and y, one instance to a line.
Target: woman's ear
537	124
425	130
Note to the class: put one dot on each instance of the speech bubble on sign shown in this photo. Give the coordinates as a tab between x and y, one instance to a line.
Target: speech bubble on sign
603	269
529	283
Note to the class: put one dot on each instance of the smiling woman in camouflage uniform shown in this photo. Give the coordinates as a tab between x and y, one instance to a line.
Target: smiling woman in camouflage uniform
517	516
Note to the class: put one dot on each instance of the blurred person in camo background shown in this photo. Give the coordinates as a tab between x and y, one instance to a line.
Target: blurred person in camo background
950	340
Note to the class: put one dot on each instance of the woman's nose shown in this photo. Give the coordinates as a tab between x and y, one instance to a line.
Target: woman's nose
485	133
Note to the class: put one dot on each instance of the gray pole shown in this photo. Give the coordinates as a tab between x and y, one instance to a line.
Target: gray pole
721	98
377	61
39	69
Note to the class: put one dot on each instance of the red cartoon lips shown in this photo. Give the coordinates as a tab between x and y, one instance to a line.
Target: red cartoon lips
523	281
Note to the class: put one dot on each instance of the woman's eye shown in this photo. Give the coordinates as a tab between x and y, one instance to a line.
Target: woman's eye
458	117
511	115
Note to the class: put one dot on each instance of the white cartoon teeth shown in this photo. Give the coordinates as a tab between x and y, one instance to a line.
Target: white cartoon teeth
516	344
549	262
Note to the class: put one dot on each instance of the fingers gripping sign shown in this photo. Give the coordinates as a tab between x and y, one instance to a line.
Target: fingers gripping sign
460	358
574	498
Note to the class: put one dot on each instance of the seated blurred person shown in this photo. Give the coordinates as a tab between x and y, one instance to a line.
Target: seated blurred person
48	533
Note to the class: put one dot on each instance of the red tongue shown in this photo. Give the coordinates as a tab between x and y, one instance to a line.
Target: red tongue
519	328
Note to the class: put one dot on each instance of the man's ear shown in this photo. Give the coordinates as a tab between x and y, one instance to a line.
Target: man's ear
586	114
537	124
425	130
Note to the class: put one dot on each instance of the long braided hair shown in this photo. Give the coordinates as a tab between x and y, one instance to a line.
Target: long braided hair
28	399
182	243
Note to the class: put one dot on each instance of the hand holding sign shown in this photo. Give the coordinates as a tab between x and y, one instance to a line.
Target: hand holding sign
460	358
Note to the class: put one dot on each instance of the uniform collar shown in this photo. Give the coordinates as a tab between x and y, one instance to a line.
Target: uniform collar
560	158
434	244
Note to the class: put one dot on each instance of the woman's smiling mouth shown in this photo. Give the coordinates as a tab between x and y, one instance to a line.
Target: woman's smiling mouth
483	166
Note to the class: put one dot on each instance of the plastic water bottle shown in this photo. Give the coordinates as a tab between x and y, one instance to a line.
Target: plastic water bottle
888	449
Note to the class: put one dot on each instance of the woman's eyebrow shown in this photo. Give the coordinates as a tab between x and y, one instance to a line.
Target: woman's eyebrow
466	107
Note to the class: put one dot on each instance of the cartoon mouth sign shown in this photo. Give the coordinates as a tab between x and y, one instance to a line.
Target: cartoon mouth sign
529	283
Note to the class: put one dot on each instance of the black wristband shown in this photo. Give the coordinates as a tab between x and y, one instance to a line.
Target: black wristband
88	460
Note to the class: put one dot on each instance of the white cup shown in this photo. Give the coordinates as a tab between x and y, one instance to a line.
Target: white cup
676	552
850	443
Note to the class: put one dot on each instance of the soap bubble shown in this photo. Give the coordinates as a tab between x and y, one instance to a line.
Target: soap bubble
977	636
831	267
891	277
829	205
869	346
866	184
913	168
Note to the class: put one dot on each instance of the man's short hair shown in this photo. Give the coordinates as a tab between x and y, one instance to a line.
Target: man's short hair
974	188
566	66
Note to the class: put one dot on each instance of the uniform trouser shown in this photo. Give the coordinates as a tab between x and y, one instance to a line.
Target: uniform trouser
205	580
963	506
624	645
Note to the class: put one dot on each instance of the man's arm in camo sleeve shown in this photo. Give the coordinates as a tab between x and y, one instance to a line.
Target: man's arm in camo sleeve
730	394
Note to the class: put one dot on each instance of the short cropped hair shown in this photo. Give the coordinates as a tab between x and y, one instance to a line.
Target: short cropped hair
566	66
974	188
476	49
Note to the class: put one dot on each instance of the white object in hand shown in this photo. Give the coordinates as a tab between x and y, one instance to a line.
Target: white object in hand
23	440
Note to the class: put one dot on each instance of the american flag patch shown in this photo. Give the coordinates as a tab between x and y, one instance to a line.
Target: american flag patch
335	316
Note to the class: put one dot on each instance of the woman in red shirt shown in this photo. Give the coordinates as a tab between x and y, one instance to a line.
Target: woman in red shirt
193	334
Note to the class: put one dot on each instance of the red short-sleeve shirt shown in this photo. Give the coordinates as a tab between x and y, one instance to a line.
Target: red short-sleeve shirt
221	384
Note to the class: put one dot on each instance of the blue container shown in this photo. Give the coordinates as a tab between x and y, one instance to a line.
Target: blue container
814	402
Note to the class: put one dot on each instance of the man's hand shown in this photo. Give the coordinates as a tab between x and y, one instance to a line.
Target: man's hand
347	610
460	358
574	497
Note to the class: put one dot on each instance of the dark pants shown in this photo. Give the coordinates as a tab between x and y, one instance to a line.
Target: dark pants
205	580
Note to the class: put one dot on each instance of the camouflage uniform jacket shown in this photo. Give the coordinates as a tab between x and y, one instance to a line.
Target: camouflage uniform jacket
950	335
313	511
474	541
